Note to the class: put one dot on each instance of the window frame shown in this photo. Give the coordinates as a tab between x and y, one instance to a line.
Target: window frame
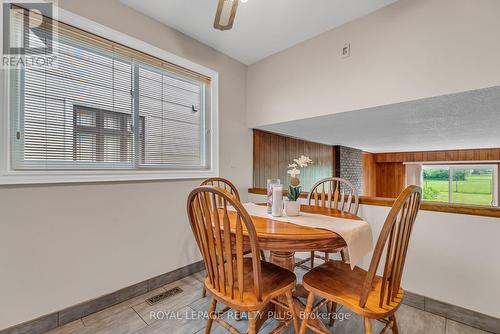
8	175
473	165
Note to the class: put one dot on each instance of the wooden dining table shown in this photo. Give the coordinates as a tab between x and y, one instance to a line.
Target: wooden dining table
284	239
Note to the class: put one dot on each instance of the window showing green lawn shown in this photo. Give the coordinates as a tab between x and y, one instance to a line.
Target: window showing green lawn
458	184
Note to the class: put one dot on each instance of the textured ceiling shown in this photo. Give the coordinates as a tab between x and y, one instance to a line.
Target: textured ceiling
457	121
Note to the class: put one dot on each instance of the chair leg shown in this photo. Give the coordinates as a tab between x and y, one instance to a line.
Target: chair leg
293	313
332	310
327	257
395	329
252	322
262	255
312	259
368	326
211	315
307	312
204	292
345	255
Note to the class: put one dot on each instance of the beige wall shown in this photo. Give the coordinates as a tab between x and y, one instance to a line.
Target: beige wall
409	50
64	244
451	258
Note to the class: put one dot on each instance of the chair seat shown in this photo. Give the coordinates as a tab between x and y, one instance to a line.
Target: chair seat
336	281
275	281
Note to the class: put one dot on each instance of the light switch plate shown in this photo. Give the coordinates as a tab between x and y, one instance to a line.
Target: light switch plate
346	50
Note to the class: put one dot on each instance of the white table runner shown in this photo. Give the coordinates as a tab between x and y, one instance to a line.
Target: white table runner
356	233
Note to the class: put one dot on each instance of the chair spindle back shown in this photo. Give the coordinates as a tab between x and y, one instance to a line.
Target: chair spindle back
334	193
394	238
222	250
223	183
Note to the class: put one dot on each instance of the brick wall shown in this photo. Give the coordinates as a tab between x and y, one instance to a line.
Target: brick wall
350	166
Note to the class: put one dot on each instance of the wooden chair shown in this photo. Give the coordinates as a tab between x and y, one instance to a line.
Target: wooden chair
365	293
336	193
231	188
245	284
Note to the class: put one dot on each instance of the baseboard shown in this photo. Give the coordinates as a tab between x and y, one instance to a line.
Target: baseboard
62	317
456	313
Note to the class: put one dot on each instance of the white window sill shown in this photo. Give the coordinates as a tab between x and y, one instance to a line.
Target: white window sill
54	177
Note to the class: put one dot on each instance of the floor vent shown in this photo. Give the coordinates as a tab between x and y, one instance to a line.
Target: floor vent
164	295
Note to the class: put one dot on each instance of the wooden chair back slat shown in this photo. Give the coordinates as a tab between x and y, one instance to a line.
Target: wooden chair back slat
223	183
323	196
221	259
223	251
239	256
227	245
340	194
330	194
394	239
342	201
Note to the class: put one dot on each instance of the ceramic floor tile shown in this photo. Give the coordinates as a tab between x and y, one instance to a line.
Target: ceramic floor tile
241	325
202	304
348	322
182	321
453	327
200	276
110	311
73	327
124	322
271	324
415	321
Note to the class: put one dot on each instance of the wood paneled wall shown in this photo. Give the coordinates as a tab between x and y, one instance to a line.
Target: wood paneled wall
451	155
273	153
369	175
390	179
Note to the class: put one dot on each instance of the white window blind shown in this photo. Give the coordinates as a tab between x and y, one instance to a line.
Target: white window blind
173	109
105	106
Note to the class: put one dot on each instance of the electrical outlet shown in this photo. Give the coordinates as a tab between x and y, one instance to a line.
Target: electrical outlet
346	50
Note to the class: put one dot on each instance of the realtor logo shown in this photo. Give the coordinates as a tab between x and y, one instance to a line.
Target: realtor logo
28	34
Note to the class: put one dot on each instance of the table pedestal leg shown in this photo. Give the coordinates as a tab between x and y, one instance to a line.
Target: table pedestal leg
285	260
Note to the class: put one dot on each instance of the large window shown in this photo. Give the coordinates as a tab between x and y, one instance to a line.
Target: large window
461	184
104	106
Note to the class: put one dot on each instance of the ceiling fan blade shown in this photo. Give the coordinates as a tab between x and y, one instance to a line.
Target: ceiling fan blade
226	11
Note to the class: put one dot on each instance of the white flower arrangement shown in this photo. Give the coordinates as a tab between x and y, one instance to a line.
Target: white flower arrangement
294	171
301	162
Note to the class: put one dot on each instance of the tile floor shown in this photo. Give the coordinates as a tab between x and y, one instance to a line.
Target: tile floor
178	314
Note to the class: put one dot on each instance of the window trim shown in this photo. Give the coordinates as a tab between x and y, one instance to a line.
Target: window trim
450	166
10	176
